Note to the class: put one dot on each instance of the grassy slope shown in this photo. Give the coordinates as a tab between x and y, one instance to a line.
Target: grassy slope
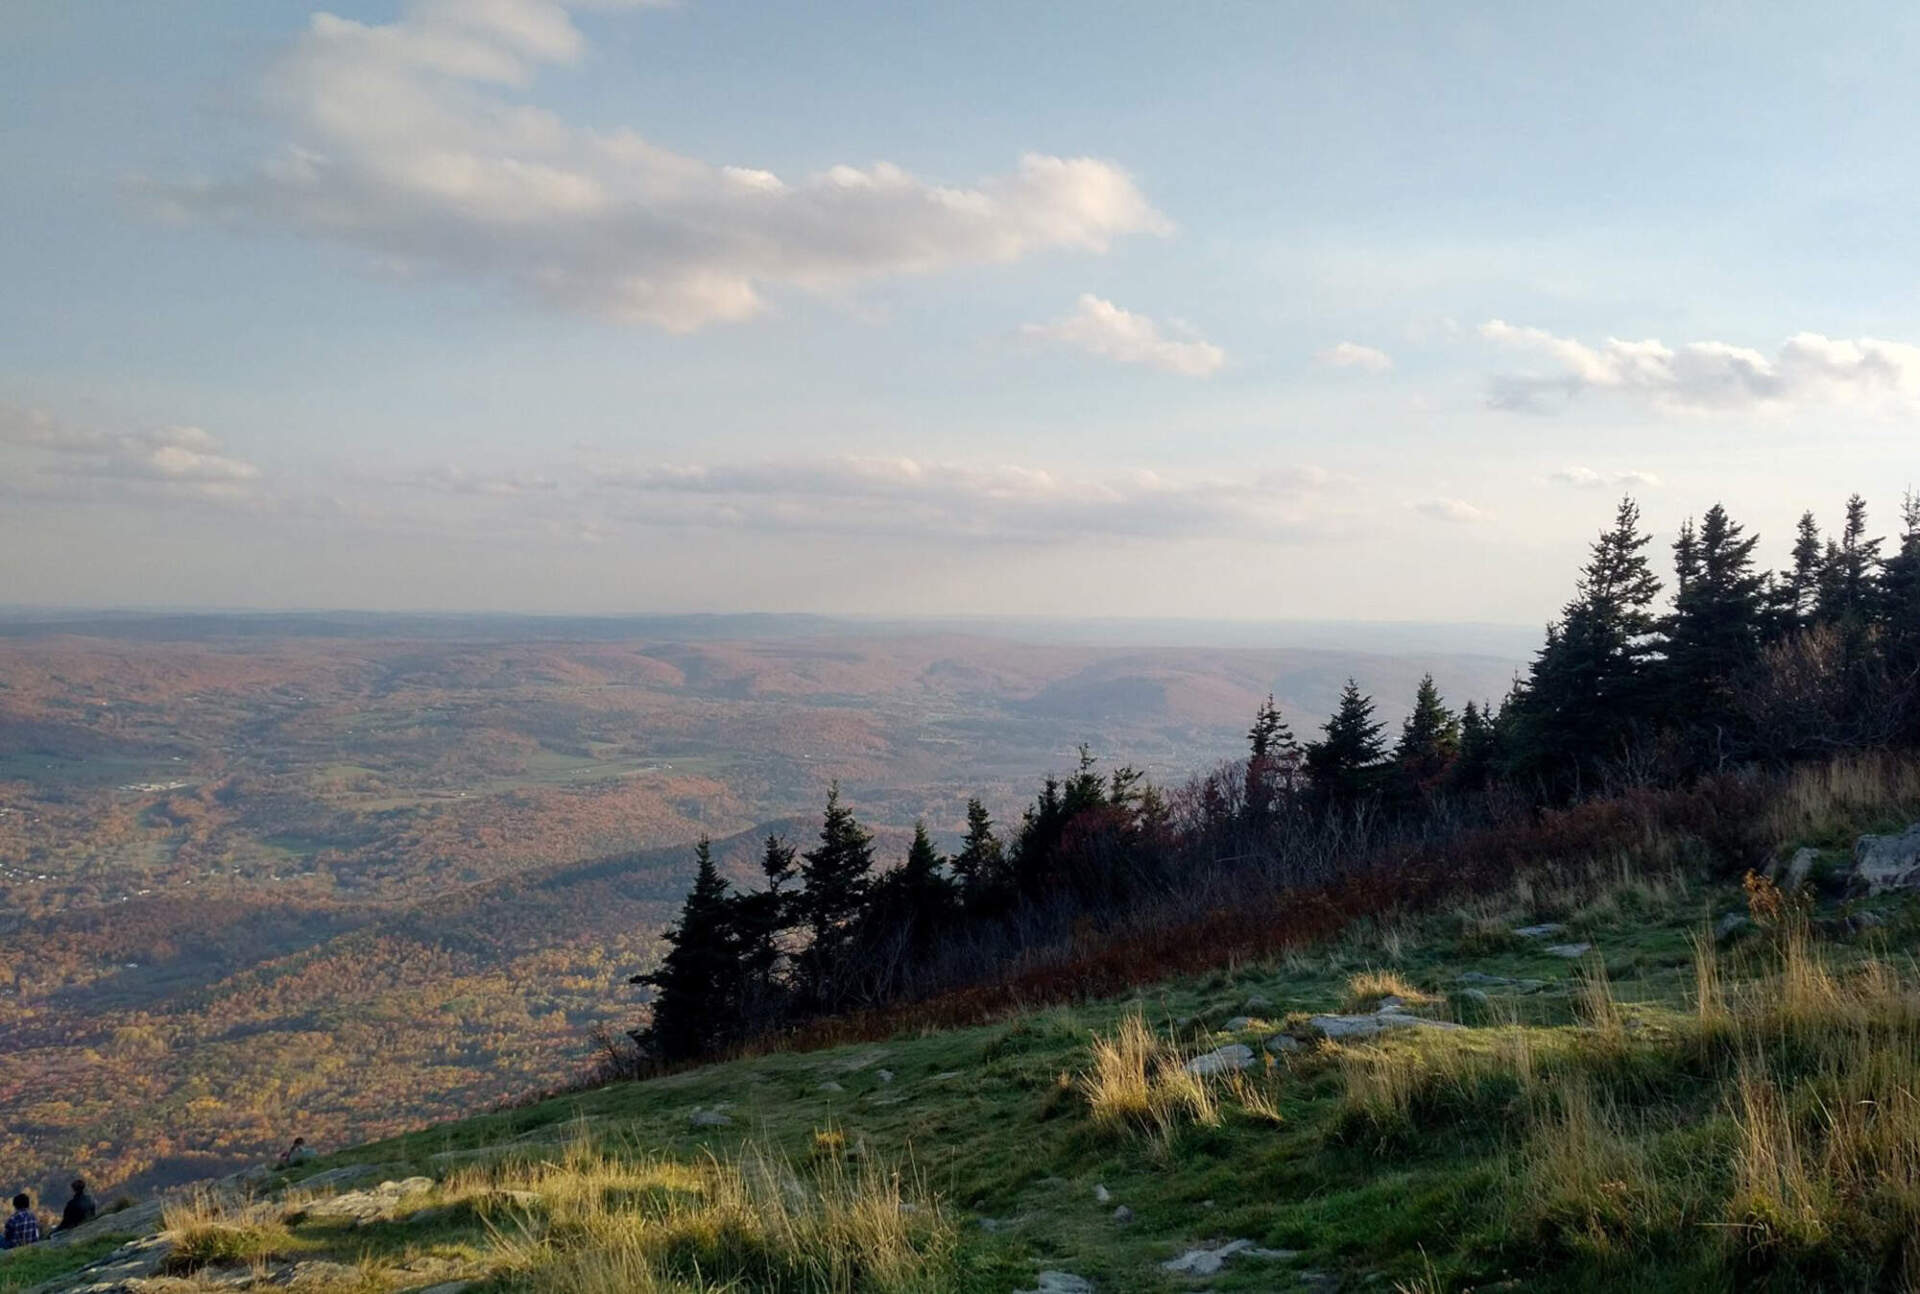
991	1119
1425	1162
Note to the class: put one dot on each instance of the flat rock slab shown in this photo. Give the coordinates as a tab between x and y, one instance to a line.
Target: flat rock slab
1206	1261
1059	1283
1232	1058
120	1270
1545	930
1572	952
373	1205
1885	863
1379	1022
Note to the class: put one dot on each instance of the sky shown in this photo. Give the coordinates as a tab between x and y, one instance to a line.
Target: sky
1220	310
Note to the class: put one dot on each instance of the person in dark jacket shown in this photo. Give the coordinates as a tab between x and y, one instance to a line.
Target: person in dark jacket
23	1228
80	1209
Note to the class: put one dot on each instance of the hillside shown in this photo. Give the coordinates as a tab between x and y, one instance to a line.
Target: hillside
346	873
1622	1072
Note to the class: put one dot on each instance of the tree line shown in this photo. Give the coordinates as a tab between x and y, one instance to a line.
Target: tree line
1738	666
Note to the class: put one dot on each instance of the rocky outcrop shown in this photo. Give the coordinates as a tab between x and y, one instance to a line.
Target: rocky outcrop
1885	863
1229	1059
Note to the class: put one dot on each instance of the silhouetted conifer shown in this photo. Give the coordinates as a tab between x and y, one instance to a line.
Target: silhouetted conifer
1344	765
697	984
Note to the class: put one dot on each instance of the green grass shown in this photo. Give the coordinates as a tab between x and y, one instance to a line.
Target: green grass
1598	1130
995	1124
22	1269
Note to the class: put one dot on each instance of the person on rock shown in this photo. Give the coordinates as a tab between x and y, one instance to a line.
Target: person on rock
23	1228
80	1209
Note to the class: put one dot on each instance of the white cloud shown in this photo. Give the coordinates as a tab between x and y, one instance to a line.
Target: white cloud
44	457
958	501
1458	511
1808	371
405	141
1102	328
1351	354
1587	478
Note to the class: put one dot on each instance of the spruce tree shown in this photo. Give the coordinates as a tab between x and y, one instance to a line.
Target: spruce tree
837	873
912	904
1429	739
1850	572
764	919
1273	760
1713	636
1797	590
1900	617
1479	755
1587	694
981	863
696	986
1344	765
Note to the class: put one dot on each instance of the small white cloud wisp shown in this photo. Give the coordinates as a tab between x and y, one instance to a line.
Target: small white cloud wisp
1351	354
1808	371
1099	327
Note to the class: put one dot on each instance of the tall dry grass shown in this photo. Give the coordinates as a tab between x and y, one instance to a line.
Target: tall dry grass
1139	1083
1368	988
595	1222
209	1230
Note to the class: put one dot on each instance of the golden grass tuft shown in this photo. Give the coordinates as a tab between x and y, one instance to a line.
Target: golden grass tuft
1137	1083
1585	1180
606	1224
209	1230
1368	988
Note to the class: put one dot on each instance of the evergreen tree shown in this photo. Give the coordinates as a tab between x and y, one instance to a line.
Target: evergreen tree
1795	593
1686	557
913	903
697	983
1850	572
1479	755
1587	695
980	865
1713	636
764	918
1900	609
1429	739
1273	761
837	873
1344	765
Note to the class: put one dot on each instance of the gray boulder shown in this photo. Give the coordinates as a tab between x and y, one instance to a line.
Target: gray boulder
1238	1023
1208	1260
1233	1057
708	1119
1572	952
1885	863
1283	1042
1545	930
1798	867
1060	1283
1731	926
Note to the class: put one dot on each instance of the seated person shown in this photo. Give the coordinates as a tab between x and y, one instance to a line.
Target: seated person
23	1228
80	1209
